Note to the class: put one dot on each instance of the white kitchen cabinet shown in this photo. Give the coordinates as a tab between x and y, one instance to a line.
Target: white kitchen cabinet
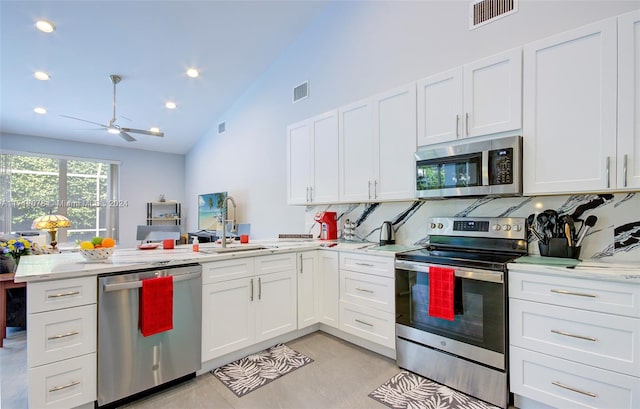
479	98
309	302
245	301
573	341
312	160
628	157
377	143
329	280
61	342
569	125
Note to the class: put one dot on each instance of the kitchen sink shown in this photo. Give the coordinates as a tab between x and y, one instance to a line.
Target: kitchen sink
236	248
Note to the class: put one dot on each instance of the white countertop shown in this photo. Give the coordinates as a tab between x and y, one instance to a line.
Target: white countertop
587	269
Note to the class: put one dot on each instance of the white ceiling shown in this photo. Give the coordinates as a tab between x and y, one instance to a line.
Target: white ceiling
150	44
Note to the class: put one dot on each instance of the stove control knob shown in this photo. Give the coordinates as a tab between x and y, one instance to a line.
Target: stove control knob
440	225
506	227
517	227
496	227
432	225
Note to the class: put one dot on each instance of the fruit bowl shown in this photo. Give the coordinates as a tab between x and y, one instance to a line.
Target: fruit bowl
97	254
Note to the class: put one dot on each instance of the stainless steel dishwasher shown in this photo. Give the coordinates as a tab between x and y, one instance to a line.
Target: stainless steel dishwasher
130	364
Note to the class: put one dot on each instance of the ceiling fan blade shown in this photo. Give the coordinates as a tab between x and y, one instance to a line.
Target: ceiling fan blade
126	136
142	131
83	120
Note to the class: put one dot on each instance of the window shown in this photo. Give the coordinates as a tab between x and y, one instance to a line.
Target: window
80	189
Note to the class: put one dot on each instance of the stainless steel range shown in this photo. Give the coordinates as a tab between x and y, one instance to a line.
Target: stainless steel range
469	351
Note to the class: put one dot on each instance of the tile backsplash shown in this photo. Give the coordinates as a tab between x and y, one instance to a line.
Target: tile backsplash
615	236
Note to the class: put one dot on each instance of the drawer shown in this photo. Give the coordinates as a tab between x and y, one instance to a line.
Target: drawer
566	384
64	384
57	294
61	334
367	290
368	323
218	271
275	263
600	296
378	265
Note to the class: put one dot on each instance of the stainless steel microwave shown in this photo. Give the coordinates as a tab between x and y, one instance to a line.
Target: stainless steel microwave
465	168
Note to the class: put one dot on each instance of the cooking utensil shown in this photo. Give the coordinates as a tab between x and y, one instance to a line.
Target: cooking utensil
532	229
588	224
567	232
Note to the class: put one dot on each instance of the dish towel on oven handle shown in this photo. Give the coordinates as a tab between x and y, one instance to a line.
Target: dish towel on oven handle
156	306
441	292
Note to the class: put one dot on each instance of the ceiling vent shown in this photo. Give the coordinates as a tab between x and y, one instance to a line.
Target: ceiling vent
301	91
482	12
222	126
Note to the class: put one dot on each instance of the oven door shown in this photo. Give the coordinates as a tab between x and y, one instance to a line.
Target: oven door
478	331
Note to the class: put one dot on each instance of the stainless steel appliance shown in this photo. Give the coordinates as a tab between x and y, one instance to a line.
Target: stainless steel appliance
387	235
470	352
128	363
463	168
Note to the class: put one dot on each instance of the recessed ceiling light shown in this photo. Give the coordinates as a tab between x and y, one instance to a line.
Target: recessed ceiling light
154	129
45	26
170	105
39	110
192	72
41	75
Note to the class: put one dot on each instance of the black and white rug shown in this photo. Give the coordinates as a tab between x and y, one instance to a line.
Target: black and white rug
411	391
251	372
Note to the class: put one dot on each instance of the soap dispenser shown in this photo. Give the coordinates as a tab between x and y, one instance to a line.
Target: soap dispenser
196	244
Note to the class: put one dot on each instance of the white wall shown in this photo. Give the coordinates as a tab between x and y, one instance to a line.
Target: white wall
144	175
353	50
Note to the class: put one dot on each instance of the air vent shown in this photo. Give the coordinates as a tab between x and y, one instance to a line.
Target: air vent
485	11
301	91
222	126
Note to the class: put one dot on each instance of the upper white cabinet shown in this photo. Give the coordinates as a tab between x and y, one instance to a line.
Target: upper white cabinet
312	160
479	98
628	163
569	121
377	142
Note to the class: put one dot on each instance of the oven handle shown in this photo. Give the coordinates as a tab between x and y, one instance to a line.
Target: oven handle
462	272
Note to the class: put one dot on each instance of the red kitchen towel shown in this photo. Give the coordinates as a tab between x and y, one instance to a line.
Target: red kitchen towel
156	306
441	292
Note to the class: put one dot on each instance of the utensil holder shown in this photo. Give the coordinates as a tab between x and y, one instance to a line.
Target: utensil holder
557	247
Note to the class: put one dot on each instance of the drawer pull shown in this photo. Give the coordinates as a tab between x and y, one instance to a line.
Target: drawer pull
565	292
591	394
364	290
567	334
58	295
363	323
364	264
58	388
68	334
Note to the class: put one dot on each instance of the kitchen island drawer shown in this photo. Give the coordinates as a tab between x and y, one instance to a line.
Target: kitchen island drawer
602	340
601	296
64	384
61	334
58	294
368	323
217	271
378	265
367	290
565	384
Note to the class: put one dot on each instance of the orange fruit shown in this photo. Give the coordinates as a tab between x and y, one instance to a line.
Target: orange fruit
108	242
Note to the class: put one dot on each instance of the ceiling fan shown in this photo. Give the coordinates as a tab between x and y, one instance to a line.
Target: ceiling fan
112	127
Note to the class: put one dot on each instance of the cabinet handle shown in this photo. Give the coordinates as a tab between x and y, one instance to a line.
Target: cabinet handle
624	170
466	123
57	388
565	292
68	334
591	394
363	323
369	189
251	290
301	265
375	189
457	125
364	290
310	193
58	295
567	334
608	171
364	264
259	288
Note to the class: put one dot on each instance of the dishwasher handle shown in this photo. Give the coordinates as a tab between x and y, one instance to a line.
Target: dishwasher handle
138	283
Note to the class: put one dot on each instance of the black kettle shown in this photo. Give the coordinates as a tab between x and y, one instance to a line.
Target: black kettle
387	235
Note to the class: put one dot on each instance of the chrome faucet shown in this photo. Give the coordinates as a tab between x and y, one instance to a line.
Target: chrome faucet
225	215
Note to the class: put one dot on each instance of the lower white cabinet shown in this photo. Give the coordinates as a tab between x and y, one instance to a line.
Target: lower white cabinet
574	341
329	288
245	301
61	342
309	302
